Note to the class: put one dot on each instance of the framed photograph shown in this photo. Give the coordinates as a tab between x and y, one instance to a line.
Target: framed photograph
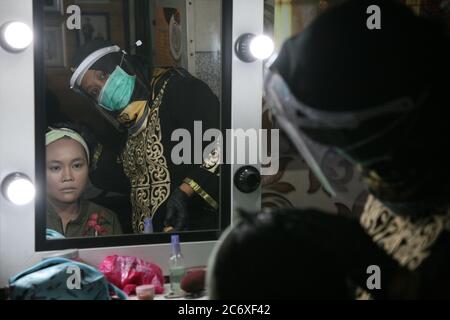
170	34
53	5
94	26
55	46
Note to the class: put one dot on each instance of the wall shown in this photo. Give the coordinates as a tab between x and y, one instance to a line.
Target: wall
207	39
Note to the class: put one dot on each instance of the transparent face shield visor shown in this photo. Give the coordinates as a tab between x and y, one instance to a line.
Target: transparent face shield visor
294	117
110	81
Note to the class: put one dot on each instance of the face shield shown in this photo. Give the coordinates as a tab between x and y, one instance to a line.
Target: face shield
111	81
299	120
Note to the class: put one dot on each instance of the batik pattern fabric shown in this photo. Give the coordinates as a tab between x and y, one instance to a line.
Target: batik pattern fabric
146	166
408	242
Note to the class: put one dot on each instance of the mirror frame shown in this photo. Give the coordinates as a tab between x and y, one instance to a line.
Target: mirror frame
41	243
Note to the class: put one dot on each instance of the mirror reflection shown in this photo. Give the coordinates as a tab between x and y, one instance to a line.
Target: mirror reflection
128	91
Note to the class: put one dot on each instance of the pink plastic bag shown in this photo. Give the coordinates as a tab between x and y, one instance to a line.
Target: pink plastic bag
127	273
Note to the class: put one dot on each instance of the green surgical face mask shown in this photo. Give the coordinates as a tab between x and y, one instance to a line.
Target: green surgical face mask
117	92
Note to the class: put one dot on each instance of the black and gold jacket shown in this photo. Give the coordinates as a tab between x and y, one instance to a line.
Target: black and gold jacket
177	101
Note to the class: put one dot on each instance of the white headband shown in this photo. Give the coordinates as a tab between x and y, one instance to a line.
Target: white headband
57	134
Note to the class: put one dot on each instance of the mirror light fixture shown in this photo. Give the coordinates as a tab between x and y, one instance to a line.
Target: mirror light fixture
250	47
15	36
18	189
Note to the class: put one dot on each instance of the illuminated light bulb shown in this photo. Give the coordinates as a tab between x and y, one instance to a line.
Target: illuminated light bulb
15	36
262	47
250	47
18	189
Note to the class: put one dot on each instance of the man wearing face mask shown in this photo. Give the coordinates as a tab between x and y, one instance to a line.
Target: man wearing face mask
376	98
149	105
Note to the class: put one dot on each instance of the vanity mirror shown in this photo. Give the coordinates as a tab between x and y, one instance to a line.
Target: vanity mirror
123	91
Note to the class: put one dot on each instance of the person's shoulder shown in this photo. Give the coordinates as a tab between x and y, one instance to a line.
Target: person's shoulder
177	75
181	83
183	80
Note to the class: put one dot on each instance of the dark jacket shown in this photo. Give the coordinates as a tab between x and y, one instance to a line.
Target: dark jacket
145	160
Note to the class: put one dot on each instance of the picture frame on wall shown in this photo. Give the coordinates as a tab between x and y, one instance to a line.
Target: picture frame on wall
171	33
54	46
94	26
53	6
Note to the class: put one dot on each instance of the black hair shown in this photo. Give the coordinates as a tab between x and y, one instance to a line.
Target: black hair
298	254
282	254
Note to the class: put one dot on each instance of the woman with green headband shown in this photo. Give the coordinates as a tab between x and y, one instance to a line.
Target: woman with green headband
67	175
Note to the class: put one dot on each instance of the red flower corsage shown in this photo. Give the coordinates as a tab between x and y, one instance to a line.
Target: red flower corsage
95	223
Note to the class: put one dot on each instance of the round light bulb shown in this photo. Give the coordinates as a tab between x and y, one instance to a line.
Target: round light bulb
262	47
16	36
18	189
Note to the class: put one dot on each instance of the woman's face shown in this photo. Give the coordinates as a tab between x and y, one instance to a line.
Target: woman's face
93	82
67	171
